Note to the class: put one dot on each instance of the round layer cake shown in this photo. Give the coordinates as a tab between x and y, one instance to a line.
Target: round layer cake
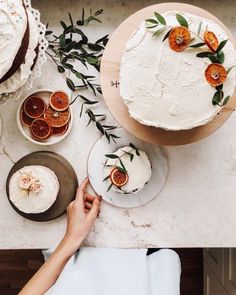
137	166
168	89
14	37
33	189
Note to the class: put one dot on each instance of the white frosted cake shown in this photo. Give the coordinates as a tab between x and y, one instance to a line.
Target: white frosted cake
137	166
168	89
19	40
33	189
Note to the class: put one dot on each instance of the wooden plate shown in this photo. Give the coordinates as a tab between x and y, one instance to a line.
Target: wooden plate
66	176
110	67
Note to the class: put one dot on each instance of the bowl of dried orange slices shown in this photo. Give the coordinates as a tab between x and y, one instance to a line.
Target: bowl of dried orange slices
45	117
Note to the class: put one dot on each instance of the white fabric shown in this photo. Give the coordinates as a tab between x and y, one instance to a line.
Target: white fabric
99	271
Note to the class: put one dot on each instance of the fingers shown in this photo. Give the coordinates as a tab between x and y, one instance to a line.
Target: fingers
93	213
79	199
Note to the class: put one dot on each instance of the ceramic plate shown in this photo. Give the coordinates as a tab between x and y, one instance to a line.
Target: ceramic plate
156	155
45	94
65	174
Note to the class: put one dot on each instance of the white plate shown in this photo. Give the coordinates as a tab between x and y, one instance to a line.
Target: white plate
96	160
45	94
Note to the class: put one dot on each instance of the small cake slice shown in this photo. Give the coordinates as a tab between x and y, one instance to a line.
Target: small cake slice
33	189
127	170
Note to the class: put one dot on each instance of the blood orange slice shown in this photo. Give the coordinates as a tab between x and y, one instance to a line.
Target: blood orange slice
179	38
211	40
25	119
40	129
215	74
55	118
34	107
119	178
60	130
59	101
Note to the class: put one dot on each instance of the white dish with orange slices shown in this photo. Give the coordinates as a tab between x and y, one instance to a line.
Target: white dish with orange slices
45	117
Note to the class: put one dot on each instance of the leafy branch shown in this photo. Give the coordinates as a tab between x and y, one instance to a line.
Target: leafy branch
71	50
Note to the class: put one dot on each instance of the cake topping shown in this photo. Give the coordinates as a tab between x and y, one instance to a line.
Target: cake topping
179	38
25	180
118	177
215	74
211	40
36	187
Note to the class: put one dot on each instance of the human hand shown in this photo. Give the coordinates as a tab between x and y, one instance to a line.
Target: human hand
81	216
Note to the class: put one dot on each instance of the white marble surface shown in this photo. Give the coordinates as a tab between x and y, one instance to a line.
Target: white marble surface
198	204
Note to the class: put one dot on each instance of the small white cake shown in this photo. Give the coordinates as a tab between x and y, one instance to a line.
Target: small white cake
139	169
168	89
33	189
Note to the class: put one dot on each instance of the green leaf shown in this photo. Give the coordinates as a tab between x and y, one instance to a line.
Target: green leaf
152	21
219	87
226	100
112	156
166	36
107	177
214	59
221	45
204	54
62	40
230	68
160	18
92	60
197	45
158	32
121	169
64	26
221	56
122	165
218	96
110	186
182	21
70	84
199	28
60	69
151	27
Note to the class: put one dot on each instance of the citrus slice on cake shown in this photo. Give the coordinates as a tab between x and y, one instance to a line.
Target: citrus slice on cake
40	129
118	178
211	40
60	130
34	107
59	101
179	38
56	118
215	74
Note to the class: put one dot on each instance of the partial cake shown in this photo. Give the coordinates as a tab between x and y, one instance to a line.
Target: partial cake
33	189
168	89
129	167
19	39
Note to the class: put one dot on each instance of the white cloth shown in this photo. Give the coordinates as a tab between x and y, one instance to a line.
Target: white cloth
102	271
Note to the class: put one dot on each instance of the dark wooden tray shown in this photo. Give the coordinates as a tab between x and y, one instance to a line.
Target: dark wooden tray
66	176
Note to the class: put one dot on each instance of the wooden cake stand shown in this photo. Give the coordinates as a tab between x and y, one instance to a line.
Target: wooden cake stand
110	68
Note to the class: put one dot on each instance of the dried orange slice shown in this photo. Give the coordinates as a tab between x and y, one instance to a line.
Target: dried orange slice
34	107
118	178
59	101
56	118
25	119
215	74
179	38
40	129
60	130
211	40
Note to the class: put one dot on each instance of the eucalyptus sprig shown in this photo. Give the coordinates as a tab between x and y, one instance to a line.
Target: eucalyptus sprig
72	49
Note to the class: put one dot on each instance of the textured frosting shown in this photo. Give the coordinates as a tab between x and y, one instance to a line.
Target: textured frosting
168	89
13	23
139	170
30	202
21	75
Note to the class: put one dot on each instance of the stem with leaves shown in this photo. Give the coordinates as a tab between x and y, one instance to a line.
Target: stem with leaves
71	48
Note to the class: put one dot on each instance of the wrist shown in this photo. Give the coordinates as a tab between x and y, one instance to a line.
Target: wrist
69	245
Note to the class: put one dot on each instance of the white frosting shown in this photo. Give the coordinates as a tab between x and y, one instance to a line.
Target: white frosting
168	89
139	170
28	201
21	75
13	23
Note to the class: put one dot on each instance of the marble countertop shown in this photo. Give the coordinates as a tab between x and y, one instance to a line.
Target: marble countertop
197	207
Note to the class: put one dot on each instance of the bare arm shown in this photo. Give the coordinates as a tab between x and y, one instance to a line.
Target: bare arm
81	216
